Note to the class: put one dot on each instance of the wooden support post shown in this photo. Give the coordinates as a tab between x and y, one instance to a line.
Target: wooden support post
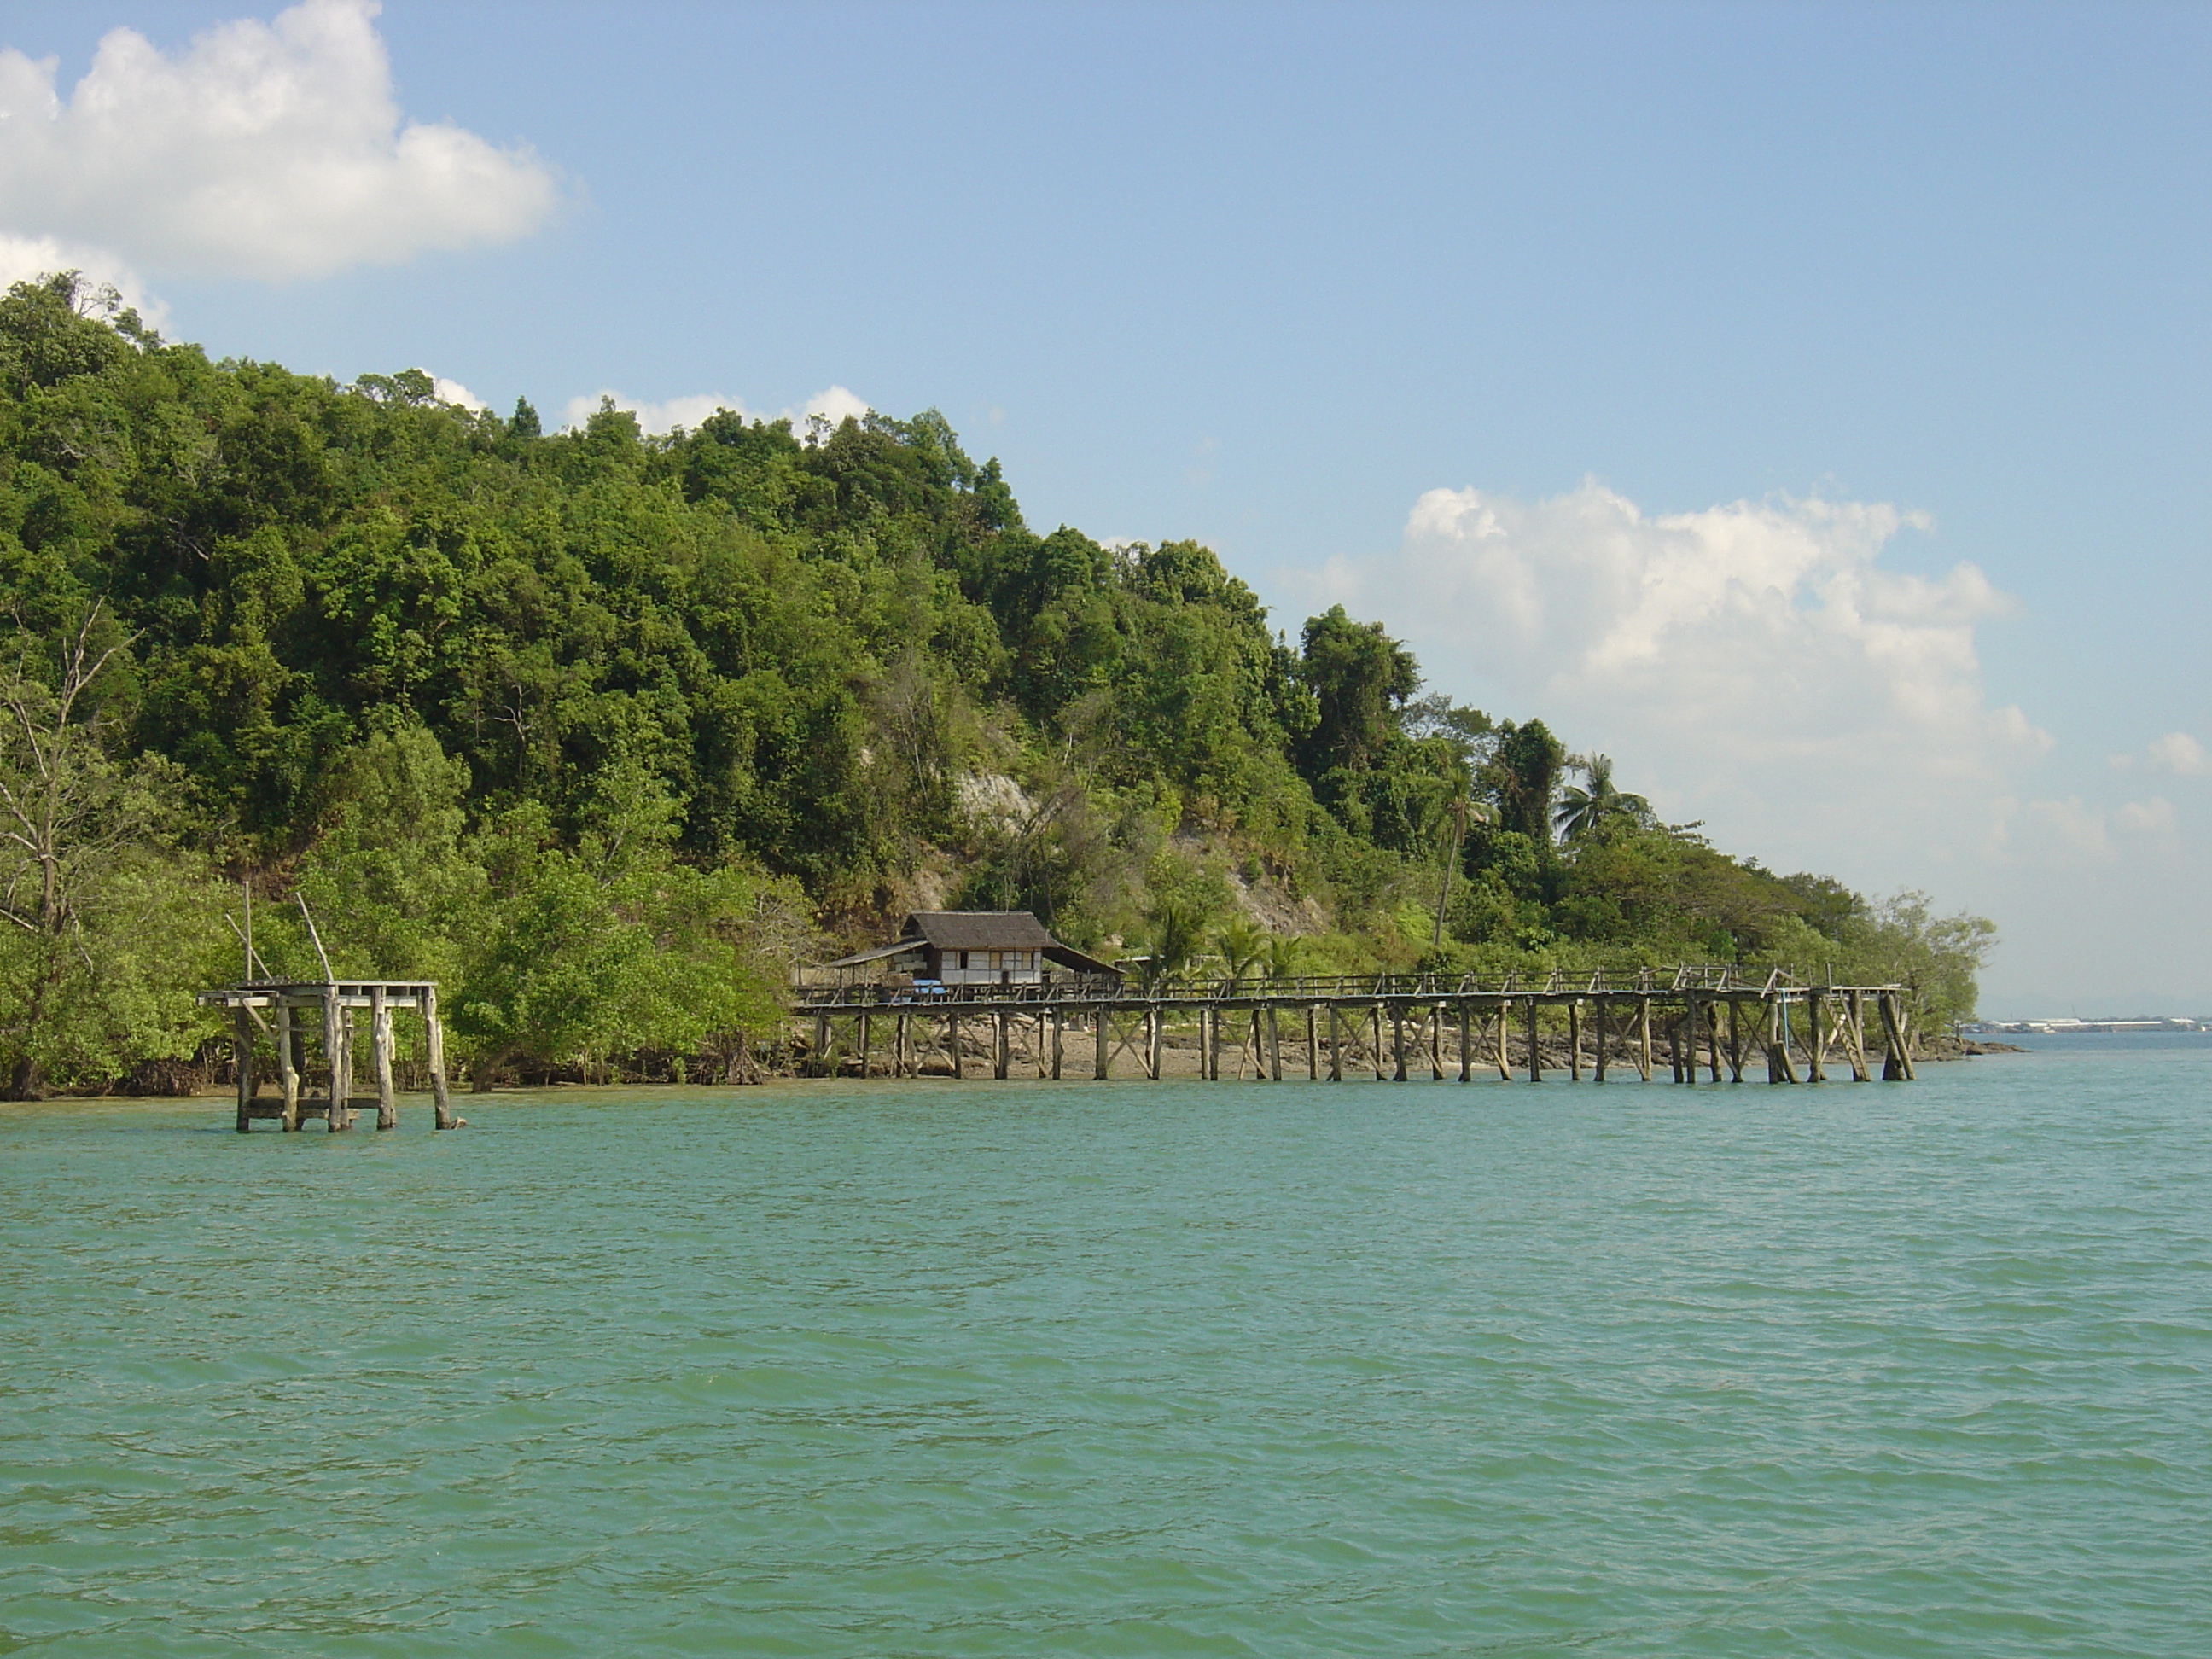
1274	1045
379	1054
1691	1020
901	1030
1313	1043
952	1041
1535	1052
337	1044
1103	1064
1713	1036
1816	1057
1855	1013
1153	1043
1674	1043
1735	1040
433	1056
1643	1038
1335	1045
1466	1058
1001	1046
1375	1042
1598	1012
821	1037
1574	1040
242	1059
1893	1024
864	1031
1436	1042
287	1067
1779	1069
1398	1041
1058	1016
1505	1064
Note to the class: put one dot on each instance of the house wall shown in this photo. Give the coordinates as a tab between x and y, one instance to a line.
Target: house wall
991	967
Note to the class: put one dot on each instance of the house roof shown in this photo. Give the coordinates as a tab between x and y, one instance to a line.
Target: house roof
861	959
979	930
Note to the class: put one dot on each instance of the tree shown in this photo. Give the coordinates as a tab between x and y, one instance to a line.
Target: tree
1583	812
1178	934
1524	774
105	929
1359	677
1241	942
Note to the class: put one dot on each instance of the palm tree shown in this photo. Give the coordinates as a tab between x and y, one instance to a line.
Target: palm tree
1451	830
1241	942
1582	811
1282	955
1178	931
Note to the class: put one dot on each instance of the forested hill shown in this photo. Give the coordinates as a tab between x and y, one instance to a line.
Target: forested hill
605	730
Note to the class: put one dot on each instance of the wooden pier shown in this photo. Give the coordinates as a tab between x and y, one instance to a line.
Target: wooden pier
271	1009
1712	1018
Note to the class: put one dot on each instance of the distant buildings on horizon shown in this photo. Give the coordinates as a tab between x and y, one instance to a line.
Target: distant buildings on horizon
2069	1026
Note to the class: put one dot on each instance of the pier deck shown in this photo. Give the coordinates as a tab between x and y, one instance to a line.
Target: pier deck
1393	1025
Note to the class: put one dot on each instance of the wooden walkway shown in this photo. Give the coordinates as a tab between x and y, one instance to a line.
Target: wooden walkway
1392	1026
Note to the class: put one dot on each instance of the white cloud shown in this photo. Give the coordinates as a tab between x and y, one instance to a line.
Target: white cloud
25	259
1752	664
2177	753
270	150
452	391
831	406
2072	832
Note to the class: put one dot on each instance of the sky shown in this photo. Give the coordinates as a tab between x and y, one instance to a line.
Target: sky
1805	405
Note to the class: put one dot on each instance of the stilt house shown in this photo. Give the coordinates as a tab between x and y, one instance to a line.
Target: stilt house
971	947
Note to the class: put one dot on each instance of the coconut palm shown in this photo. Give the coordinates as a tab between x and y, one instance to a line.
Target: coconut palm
1178	930
1241	942
1584	809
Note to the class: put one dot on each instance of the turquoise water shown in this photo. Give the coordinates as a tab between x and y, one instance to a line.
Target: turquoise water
986	1369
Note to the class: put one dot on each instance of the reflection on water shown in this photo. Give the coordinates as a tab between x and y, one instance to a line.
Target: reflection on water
986	1369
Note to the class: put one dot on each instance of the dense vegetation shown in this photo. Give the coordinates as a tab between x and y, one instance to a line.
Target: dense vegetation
605	731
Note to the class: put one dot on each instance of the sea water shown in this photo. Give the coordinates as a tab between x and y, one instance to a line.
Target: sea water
987	1368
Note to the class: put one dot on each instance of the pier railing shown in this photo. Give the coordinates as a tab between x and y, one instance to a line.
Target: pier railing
1713	1015
1715	979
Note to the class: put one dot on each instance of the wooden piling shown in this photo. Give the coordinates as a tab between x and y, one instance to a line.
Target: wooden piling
1574	1040
1466	1059
1817	1040
1335	1045
1398	1041
1597	1016
1535	1052
1643	1038
337	1026
433	1053
1855	1033
1274	1045
1313	1044
242	1054
287	1067
380	1053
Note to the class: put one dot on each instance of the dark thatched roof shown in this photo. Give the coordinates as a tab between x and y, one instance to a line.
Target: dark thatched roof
979	930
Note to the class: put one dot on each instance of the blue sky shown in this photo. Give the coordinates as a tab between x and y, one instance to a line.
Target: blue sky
1805	404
